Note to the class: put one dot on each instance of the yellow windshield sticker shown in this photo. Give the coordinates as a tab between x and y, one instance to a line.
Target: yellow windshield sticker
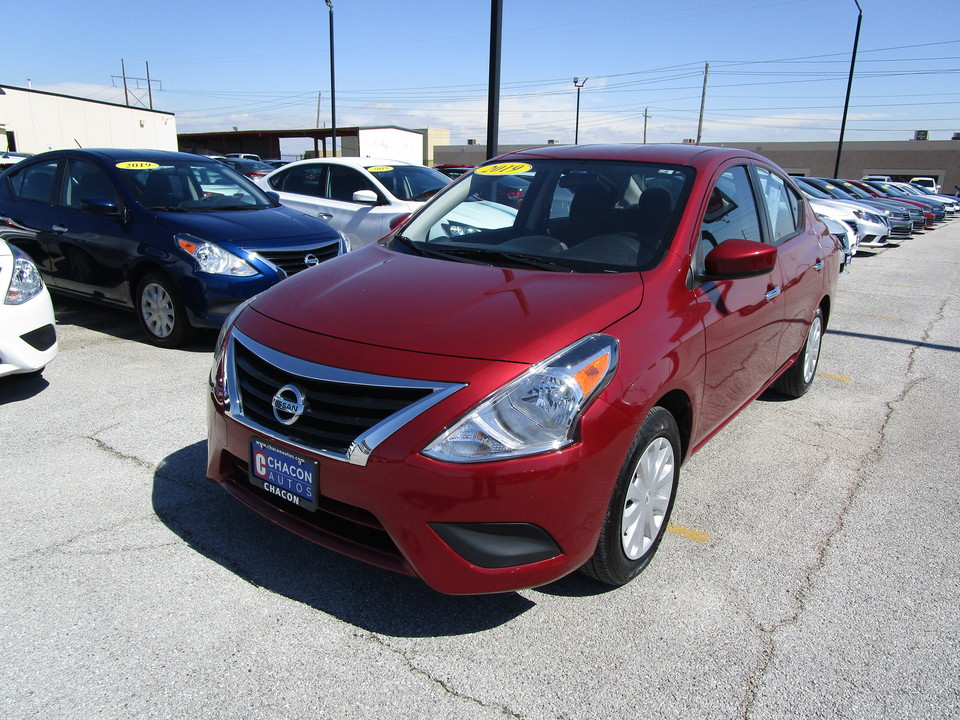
380	168
137	165
503	169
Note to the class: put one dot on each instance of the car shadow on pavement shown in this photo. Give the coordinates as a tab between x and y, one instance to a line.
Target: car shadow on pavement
117	322
21	387
222	529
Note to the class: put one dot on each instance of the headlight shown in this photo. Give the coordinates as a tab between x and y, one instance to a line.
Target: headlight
212	258
218	372
535	413
456	229
26	282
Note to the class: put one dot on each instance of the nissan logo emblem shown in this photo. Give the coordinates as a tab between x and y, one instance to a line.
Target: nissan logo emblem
310	260
288	404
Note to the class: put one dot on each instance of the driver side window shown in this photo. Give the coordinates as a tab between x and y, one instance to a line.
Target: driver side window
731	213
85	181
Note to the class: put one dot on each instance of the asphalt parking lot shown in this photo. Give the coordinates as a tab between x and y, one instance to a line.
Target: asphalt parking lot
811	572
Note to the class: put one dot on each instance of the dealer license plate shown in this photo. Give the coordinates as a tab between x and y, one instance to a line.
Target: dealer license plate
286	475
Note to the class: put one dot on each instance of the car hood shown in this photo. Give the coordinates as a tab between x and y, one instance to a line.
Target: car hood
383	298
249	227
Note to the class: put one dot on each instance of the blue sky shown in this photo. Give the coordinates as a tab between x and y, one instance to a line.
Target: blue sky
778	68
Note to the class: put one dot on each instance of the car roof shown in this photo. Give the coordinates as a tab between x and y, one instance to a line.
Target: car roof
682	154
362	162
114	155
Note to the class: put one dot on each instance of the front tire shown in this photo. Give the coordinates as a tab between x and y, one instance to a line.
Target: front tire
641	504
161	313
798	378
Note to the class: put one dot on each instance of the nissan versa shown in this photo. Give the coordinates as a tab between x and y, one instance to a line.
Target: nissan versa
495	396
179	238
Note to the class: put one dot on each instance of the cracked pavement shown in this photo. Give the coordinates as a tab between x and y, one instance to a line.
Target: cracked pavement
813	572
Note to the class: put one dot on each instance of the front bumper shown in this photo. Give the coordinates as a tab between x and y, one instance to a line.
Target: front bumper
463	528
28	336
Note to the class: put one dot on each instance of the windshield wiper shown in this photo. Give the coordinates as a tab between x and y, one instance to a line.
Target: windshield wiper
538	262
420	249
222	208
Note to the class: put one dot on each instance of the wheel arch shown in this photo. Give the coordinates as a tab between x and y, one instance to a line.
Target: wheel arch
138	272
678	404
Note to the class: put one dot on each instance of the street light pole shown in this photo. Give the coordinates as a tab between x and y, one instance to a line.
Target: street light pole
846	103
333	89
493	85
578	83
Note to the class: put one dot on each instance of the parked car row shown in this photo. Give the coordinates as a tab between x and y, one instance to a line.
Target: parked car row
880	212
500	391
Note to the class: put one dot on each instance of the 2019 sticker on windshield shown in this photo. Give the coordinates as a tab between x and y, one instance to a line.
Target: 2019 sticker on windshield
504	169
137	165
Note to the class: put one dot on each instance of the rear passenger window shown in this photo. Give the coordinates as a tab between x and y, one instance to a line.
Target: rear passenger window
34	181
300	180
782	205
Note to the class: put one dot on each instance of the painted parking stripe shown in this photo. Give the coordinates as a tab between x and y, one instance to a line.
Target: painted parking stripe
838	378
688	533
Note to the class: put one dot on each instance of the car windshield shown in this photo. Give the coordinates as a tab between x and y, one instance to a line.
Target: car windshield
857	192
813	190
191	186
409	182
559	215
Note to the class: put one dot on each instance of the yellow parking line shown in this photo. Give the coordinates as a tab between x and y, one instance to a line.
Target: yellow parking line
688	533
839	378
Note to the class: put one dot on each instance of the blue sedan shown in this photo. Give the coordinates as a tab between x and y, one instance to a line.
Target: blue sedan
179	238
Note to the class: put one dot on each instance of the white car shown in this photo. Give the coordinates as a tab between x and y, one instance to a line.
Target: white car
364	198
926	182
846	235
28	335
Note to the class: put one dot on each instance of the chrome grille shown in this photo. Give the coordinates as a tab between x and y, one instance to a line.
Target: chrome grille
292	261
347	413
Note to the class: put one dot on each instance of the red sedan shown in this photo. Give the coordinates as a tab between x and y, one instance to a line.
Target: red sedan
496	396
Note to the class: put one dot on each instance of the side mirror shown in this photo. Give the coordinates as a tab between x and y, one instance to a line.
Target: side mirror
365	197
739	258
275	196
99	206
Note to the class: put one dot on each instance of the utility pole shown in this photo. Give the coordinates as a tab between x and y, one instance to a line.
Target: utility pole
149	91
646	116
493	86
703	101
578	84
333	91
846	103
140	88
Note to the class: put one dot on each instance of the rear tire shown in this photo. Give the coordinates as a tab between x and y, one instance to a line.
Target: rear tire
642	502
161	313
798	378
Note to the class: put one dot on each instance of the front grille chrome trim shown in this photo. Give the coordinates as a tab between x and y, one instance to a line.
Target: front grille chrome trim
361	448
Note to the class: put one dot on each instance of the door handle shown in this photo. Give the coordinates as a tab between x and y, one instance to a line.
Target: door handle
324	216
59	229
818	265
772	293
